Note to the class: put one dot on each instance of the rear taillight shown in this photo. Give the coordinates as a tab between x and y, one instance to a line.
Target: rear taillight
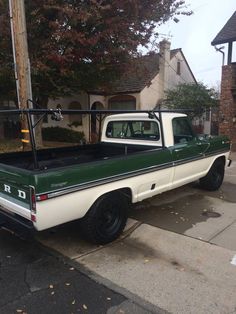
33	217
32	199
33	204
42	197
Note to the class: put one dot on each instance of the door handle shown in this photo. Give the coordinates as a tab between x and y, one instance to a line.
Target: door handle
177	150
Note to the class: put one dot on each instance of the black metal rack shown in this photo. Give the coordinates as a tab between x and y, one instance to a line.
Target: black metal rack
56	114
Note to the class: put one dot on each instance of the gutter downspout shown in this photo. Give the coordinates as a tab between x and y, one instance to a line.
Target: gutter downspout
223	54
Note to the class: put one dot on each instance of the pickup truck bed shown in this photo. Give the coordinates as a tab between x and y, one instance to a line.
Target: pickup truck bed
61	157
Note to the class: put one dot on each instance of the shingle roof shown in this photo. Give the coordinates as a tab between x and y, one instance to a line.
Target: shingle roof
138	75
228	32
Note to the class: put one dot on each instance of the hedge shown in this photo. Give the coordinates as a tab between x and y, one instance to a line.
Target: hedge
59	134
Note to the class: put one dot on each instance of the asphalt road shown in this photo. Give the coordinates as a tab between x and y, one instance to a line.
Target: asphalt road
34	281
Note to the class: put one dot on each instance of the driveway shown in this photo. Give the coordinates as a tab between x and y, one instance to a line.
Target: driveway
204	215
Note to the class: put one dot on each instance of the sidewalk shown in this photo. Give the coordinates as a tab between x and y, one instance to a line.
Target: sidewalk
175	272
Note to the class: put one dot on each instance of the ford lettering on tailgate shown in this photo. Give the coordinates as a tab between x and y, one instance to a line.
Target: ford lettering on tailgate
13	192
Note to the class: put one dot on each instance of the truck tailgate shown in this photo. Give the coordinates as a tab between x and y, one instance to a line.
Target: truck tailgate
15	199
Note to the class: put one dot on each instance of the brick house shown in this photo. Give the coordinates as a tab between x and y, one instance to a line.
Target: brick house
227	114
142	88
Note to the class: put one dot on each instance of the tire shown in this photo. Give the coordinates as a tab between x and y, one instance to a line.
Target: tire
215	176
106	219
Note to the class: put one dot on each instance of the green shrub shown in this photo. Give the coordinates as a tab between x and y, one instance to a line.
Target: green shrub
58	134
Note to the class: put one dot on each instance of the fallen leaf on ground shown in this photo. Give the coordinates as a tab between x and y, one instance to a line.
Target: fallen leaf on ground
73	302
85	306
51	286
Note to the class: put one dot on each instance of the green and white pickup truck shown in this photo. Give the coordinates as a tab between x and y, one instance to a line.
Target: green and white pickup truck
140	155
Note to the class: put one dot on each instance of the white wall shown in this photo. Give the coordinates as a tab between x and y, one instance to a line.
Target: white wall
185	75
100	98
150	96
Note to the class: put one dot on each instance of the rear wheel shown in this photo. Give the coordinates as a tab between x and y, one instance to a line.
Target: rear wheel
214	178
106	219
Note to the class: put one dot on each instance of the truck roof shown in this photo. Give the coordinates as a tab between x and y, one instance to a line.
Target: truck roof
126	116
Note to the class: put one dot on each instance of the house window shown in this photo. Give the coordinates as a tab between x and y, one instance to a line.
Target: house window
75	119
122	102
179	68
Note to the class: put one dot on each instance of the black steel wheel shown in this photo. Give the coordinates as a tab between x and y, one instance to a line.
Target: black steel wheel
214	178
106	219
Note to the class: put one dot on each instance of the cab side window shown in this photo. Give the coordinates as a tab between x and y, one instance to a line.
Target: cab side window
182	130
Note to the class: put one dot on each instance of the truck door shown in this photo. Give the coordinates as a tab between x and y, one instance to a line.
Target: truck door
187	153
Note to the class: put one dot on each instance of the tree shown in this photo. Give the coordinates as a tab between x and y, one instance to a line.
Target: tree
196	97
78	44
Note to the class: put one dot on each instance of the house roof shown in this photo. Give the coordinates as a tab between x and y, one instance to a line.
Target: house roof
227	33
140	74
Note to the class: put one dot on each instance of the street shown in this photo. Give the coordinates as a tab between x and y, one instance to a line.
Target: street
34	281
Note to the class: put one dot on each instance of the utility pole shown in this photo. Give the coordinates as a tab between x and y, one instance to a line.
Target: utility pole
21	63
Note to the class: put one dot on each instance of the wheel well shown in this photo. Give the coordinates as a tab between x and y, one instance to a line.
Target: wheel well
124	191
222	158
127	193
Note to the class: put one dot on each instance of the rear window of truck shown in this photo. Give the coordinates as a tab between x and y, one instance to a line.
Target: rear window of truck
137	130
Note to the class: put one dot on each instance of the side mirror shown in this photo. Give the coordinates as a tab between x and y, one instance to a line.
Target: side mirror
202	137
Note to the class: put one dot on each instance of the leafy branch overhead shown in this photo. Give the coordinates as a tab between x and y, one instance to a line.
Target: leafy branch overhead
192	96
78	44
